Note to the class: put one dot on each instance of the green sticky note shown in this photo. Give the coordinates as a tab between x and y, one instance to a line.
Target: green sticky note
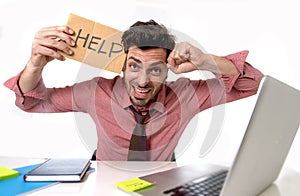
6	173
133	185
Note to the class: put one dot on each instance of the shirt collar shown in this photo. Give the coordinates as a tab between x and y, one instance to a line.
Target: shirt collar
120	95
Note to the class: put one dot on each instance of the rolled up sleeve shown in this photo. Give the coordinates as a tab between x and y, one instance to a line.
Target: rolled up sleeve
224	88
248	76
245	83
41	99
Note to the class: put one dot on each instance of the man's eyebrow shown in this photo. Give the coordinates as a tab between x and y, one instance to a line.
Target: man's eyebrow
135	59
152	64
158	63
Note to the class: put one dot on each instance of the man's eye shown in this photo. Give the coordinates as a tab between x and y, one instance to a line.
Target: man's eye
156	71
134	67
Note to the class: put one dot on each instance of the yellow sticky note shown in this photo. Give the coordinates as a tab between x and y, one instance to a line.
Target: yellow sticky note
134	185
6	173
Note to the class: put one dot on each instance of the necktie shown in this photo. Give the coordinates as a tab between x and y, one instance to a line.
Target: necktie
138	141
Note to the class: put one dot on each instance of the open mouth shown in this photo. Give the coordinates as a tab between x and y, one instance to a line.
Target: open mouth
141	93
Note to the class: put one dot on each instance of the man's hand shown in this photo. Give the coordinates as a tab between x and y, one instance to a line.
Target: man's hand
45	47
47	42
186	58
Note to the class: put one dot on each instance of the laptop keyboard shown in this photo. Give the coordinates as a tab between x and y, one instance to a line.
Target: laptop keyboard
209	185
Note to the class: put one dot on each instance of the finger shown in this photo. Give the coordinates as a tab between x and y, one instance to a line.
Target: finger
65	38
179	60
175	65
55	45
62	28
58	32
179	69
171	61
66	35
172	68
181	56
182	50
171	64
45	51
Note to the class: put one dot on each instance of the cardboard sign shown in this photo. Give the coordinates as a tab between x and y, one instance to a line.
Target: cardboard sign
97	45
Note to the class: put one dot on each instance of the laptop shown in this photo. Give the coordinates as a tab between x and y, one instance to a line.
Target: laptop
260	157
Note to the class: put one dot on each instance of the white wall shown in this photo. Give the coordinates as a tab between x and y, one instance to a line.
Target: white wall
268	29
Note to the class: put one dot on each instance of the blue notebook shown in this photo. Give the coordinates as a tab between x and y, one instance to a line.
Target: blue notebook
15	186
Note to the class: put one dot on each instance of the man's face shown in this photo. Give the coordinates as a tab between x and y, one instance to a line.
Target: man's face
144	74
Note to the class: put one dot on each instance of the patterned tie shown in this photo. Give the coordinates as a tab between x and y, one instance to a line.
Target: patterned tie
138	142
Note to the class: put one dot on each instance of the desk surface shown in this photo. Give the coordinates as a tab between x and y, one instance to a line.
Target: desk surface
102	180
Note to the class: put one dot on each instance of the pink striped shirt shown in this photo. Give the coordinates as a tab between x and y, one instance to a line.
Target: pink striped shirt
107	102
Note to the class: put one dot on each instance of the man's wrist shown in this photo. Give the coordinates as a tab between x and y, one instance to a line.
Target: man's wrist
209	64
30	68
220	65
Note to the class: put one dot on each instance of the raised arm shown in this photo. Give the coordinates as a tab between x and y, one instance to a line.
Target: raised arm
235	78
186	58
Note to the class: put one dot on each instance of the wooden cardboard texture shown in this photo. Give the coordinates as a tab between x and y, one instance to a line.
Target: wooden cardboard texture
97	45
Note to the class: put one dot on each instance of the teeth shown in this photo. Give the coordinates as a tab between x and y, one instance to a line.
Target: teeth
142	91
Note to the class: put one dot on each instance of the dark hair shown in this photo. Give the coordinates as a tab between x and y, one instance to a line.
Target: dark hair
147	35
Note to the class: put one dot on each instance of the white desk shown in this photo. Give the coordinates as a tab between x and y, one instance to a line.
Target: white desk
101	181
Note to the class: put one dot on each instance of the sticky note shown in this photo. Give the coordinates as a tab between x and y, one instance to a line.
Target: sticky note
6	173
134	185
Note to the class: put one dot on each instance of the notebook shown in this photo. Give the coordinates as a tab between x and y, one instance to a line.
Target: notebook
261	155
59	170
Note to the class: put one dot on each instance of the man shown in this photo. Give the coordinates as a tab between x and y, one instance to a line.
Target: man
117	105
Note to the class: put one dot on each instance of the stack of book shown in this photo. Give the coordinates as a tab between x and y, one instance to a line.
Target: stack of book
59	170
